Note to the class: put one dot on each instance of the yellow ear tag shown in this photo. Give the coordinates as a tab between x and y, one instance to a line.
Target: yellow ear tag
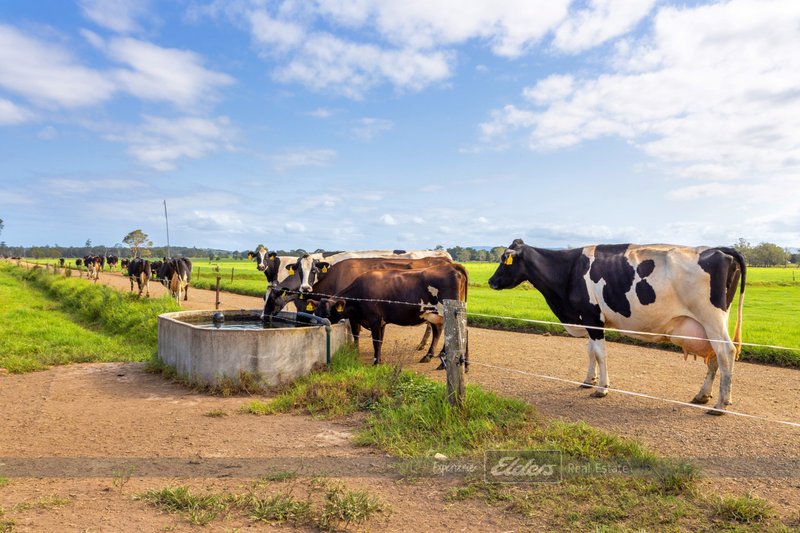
310	307
340	308
290	270
324	269
283	293
509	259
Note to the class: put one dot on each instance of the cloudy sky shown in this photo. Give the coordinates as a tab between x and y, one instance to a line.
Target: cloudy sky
346	124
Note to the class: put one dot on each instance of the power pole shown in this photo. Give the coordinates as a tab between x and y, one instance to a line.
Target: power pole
166	218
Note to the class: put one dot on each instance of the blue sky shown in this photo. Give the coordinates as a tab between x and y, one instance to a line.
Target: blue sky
400	123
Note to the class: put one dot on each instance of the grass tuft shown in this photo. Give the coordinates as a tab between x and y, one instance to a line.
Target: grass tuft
744	509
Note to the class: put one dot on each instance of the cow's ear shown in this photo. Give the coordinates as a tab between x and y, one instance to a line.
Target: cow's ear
323	266
340	306
509	260
311	306
290	269
272	256
283	294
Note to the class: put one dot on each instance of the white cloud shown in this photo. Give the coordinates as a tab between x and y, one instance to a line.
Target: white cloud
508	27
48	133
603	20
320	112
116	15
294	227
302	158
49	75
160	142
368	128
165	74
711	93
388	220
82	186
326	62
11	113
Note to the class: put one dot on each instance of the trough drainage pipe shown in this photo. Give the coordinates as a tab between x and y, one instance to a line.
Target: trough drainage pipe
321	322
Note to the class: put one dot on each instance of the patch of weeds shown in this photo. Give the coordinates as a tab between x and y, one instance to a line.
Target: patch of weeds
281	475
216	413
3	481
343	507
278	508
46	502
743	509
123	475
606	514
256	407
675	477
199	510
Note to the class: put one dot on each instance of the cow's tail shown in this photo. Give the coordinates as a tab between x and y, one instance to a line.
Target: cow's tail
737	332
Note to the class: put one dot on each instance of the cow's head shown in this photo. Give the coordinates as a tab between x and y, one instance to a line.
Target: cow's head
511	270
331	308
310	271
268	263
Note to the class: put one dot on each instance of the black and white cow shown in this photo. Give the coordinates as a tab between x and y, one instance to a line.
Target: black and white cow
93	266
139	270
176	274
112	261
672	291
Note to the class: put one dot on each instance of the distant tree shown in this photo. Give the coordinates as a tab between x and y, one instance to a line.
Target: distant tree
88	243
793	259
1	225
497	252
139	243
767	254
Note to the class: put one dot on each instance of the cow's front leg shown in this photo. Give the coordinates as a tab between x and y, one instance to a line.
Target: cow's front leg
355	329
726	354
598	347
377	341
591	372
705	395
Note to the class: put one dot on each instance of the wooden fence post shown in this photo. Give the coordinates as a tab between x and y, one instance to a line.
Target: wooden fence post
231	275
216	306
455	338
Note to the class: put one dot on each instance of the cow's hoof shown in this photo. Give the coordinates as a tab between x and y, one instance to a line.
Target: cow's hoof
587	384
701	400
441	367
426	358
599	393
716	411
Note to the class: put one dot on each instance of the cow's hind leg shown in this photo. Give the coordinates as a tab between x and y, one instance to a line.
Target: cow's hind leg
425	337
705	395
726	354
598	347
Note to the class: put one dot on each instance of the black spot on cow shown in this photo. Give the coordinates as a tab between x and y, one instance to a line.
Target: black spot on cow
646	268
611	265
644	291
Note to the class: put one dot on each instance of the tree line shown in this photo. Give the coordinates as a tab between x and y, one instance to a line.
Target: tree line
764	254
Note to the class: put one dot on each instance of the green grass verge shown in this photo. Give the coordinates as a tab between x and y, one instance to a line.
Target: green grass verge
50	320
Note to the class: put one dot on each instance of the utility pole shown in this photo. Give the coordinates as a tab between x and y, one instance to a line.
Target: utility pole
166	218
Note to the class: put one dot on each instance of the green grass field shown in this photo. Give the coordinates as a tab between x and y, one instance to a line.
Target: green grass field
771	310
51	320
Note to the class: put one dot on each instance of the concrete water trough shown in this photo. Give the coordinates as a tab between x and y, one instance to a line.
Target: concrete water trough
211	353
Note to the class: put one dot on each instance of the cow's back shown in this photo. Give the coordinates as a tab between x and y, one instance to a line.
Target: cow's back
646	287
